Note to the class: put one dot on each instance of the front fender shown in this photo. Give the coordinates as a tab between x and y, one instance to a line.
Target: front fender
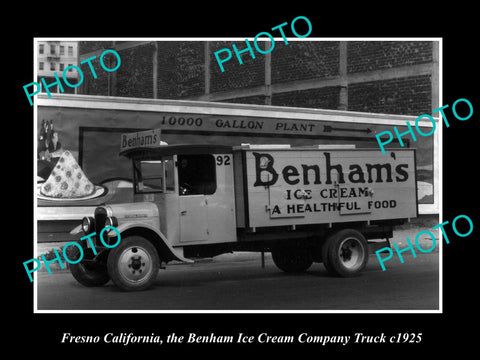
76	230
175	254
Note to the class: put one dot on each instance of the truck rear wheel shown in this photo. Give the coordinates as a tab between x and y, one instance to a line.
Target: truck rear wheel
133	264
292	260
345	253
87	273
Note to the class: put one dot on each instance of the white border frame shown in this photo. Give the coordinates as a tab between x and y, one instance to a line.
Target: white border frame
257	110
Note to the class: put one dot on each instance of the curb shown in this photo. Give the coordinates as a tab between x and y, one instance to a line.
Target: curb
54	267
44	249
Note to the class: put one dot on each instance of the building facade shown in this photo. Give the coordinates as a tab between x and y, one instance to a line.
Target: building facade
393	77
55	57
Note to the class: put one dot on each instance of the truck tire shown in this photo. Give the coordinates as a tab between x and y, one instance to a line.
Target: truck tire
292	260
133	264
345	253
86	273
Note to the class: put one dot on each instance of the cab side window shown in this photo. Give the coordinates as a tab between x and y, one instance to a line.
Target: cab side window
196	174
148	176
152	176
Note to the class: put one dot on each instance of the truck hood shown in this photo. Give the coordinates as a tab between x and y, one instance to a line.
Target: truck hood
133	210
127	212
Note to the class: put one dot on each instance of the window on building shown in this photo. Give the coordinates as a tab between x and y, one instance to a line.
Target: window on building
62	50
52	49
40	65
70	51
41	48
196	174
70	69
61	67
52	66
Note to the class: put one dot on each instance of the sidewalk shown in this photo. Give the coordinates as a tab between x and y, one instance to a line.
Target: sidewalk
45	248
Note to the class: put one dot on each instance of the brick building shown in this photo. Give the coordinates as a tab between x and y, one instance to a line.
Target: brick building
393	77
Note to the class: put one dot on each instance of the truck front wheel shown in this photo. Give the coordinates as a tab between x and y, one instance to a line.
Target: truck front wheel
292	260
88	273
345	253
133	265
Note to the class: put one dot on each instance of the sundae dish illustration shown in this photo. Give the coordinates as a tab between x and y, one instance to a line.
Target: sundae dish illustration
68	181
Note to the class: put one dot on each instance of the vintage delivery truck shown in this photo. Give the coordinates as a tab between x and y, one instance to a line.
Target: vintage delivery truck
330	204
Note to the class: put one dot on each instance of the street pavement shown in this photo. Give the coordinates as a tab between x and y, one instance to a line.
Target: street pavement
237	282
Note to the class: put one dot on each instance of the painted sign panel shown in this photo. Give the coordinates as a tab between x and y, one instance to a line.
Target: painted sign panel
300	186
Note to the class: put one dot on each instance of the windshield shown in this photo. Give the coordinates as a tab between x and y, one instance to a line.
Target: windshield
154	175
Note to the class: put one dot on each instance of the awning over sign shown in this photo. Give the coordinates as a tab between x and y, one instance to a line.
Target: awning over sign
141	139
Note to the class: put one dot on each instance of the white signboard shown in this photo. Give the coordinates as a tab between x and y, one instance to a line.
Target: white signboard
142	139
296	186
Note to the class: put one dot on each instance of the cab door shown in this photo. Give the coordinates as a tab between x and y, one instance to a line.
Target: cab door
193	218
196	180
206	198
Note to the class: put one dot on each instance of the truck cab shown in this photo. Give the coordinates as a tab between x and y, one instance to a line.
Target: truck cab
183	197
193	201
192	188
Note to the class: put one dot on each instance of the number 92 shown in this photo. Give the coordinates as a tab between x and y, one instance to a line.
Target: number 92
223	160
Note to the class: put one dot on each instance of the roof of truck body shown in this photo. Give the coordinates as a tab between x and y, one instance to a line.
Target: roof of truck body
178	149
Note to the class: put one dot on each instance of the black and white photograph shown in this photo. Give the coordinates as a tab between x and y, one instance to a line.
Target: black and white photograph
269	184
238	186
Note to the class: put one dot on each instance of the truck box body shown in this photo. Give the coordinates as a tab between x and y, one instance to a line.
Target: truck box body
300	186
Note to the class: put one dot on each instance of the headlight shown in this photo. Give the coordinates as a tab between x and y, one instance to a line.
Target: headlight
88	225
111	221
